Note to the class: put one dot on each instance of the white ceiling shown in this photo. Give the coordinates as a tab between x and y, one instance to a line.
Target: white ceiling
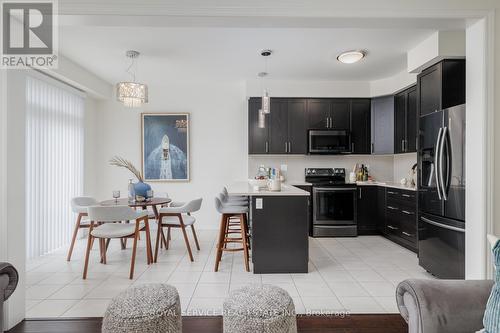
209	53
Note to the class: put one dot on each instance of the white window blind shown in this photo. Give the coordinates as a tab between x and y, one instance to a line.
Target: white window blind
54	163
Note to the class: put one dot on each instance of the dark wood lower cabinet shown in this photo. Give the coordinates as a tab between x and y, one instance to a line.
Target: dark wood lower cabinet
390	212
367	208
280	242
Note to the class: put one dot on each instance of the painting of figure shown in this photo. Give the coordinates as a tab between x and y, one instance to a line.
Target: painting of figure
165	146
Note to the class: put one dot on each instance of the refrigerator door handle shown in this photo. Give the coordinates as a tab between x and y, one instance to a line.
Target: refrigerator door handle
436	162
441	225
441	170
447	179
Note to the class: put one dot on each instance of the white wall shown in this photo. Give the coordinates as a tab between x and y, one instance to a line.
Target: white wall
218	136
392	84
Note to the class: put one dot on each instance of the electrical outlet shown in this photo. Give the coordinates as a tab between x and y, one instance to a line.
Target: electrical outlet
258	203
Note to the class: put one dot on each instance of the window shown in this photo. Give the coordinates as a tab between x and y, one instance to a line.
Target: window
54	163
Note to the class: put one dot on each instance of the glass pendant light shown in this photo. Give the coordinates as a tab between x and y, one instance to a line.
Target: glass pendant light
266	100
262	119
132	94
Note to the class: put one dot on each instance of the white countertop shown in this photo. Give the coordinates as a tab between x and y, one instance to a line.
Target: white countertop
374	183
244	188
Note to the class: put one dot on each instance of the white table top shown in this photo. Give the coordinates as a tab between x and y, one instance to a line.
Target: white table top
244	188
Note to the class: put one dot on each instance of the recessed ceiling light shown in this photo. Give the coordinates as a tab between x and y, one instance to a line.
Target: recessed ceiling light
350	57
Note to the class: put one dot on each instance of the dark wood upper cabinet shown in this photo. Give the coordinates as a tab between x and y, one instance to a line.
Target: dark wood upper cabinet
405	121
319	113
297	126
340	114
278	126
258	138
441	86
360	126
411	120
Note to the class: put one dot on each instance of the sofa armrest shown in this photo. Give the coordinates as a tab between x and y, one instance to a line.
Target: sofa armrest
443	306
7	270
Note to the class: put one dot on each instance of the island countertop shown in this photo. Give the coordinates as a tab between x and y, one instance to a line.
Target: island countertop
244	188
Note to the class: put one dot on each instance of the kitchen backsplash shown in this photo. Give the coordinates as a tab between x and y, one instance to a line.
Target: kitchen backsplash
403	164
380	167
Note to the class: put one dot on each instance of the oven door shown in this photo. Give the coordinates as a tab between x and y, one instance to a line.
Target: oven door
329	142
334	206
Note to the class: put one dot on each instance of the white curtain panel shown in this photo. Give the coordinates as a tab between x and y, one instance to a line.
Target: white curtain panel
54	163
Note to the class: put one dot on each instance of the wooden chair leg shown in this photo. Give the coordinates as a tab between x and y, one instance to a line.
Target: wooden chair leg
195	238
90	242
149	252
134	252
184	233
101	248
244	239
222	234
158	235
73	239
105	243
167	242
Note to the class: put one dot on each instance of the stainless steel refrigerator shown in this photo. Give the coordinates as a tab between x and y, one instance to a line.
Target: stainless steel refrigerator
441	200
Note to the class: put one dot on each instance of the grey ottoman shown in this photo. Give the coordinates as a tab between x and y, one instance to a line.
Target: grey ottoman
259	309
144	309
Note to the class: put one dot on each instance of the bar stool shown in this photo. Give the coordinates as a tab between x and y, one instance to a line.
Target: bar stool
229	213
233	225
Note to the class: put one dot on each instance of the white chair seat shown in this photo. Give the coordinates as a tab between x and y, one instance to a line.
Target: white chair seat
188	220
115	230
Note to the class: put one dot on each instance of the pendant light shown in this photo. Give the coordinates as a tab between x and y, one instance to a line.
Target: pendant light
131	93
262	119
266	100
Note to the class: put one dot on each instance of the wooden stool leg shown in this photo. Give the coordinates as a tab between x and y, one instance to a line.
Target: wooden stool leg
73	239
244	239
220	243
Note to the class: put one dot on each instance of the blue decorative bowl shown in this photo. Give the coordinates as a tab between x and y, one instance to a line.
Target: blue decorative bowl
142	189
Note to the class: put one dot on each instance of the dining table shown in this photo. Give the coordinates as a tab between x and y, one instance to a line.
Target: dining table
151	202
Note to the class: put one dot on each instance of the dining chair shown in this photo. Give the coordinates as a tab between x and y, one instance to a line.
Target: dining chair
103	226
178	215
79	206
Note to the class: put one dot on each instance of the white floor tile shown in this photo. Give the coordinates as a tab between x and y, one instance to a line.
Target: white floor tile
357	273
50	308
361	305
388	303
379	288
322	305
88	308
341	288
42	292
211	290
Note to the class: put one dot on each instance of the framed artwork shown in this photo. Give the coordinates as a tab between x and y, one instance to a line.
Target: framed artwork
165	146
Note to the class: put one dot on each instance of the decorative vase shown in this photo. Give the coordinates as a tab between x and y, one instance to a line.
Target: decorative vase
142	189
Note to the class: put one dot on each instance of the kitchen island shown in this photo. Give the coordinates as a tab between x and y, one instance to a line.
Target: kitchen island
278	226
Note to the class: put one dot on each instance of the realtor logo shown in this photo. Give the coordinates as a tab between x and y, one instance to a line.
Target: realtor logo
29	34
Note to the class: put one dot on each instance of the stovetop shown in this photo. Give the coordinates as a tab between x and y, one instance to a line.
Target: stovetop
325	176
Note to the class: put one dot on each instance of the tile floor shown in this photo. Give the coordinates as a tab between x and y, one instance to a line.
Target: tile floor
355	275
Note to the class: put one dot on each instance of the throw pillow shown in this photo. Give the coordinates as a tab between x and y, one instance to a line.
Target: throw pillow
491	318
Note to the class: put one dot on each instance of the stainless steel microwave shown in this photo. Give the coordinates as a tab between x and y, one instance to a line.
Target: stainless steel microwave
329	142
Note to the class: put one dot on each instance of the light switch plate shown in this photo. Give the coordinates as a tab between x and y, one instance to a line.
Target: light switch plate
258	203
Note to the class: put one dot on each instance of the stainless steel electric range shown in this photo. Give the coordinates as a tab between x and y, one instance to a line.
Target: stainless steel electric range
334	203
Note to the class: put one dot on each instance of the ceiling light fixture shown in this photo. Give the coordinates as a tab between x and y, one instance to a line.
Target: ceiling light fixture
266	100
350	57
131	93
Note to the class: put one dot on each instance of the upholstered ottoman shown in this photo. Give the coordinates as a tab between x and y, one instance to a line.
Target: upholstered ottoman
259	309
146	308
